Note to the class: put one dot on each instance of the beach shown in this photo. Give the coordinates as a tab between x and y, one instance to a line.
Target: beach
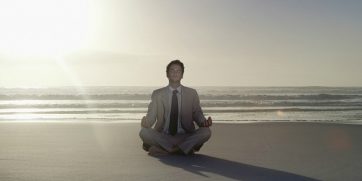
112	151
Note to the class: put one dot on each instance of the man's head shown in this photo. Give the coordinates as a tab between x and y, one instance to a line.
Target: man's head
175	70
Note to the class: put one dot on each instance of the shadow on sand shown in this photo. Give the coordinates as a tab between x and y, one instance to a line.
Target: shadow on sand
200	164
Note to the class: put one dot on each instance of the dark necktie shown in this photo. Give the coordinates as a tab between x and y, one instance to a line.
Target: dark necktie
172	129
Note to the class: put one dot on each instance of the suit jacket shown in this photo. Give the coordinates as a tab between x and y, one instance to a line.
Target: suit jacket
190	109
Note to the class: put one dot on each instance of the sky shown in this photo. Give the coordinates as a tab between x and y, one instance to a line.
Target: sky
46	43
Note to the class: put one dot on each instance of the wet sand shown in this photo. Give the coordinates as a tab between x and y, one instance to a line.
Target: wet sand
112	151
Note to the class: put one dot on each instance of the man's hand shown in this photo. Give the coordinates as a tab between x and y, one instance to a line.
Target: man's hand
207	122
144	122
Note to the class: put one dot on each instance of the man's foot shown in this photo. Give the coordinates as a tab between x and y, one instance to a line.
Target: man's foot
175	150
146	146
191	152
157	151
181	152
197	148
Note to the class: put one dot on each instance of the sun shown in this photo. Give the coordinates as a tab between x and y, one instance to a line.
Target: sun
42	27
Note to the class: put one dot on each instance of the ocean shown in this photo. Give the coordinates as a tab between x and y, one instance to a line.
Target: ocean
223	104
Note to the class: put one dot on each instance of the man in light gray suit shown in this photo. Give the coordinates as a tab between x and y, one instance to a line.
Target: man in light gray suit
169	126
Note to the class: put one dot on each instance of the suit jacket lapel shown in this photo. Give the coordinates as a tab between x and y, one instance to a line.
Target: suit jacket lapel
165	100
183	101
183	97
162	107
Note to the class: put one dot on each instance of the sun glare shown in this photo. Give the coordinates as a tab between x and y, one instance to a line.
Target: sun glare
42	27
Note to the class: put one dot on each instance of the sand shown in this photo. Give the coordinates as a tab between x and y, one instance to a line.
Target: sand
112	151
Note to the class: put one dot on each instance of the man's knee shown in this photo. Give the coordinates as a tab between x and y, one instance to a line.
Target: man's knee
145	133
148	133
204	132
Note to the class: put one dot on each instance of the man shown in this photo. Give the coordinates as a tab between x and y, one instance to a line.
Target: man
169	125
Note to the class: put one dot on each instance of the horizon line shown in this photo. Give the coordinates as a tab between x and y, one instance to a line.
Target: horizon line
69	86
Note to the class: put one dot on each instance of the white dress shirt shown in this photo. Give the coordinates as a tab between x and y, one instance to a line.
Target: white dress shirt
180	130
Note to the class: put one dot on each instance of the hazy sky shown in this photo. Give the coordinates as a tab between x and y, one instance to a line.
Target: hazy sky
221	42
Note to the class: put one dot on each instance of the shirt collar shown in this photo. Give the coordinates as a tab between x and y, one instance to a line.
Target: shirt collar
172	89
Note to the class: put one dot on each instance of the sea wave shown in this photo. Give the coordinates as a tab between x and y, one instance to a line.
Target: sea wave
79	105
205	104
202	97
222	103
144	110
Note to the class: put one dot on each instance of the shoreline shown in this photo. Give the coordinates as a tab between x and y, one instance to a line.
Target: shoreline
352	122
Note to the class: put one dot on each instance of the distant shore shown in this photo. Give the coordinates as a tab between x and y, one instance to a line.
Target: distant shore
255	151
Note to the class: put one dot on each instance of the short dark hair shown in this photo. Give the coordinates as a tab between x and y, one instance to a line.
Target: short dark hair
177	62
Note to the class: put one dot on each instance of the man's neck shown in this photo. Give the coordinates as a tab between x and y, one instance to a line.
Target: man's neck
174	85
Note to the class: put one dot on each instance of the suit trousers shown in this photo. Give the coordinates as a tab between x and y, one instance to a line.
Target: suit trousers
186	142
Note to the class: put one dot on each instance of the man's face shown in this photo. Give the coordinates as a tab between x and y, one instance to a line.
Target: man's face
175	73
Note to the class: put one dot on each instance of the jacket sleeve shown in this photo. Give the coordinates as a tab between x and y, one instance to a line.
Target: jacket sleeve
197	114
152	110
